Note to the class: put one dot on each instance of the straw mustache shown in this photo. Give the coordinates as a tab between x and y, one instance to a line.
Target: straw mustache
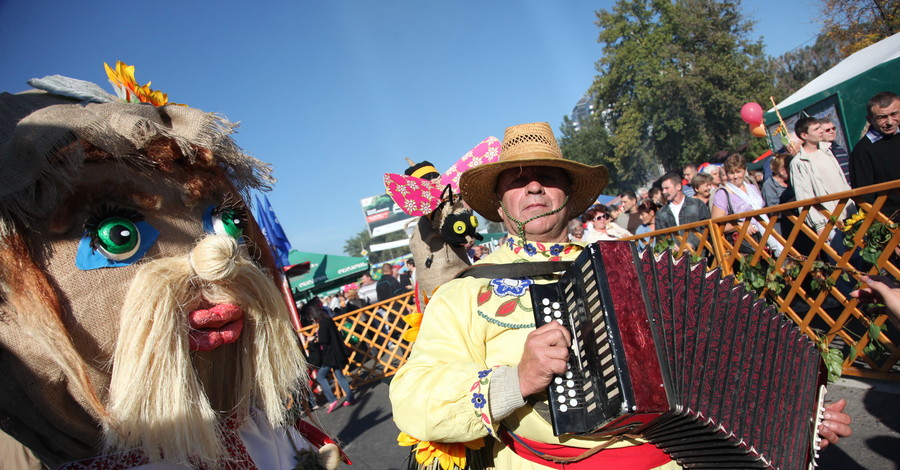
169	400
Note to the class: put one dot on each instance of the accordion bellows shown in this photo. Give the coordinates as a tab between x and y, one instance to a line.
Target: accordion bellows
685	358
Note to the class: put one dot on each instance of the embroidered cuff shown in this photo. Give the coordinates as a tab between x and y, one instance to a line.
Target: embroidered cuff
479	392
504	396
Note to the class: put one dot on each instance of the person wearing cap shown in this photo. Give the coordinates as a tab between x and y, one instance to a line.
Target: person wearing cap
479	364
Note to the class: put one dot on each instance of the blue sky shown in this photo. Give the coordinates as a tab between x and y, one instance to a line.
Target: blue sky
336	93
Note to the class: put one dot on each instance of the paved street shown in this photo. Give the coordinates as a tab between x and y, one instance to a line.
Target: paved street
370	436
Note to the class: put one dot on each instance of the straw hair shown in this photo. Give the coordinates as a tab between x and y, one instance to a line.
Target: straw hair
530	145
165	398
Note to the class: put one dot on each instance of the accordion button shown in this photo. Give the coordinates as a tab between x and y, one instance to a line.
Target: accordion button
570	383
557	314
559	320
572	393
545	301
573	402
561	399
548	319
569	374
556	305
547	310
558	380
560	389
563	408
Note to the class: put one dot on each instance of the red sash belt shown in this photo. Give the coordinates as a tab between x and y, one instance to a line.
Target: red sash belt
638	457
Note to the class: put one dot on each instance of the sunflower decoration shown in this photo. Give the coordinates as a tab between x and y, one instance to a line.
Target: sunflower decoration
127	89
414	320
850	223
449	456
873	241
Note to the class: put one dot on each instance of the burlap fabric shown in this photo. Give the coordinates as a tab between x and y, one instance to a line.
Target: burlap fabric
436	260
37	162
48	180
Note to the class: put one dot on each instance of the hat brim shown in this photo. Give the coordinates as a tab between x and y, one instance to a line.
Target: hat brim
478	185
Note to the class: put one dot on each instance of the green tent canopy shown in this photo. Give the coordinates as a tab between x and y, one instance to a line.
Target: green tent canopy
843	92
325	272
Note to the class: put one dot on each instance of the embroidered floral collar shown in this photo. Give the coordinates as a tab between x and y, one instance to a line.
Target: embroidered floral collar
551	251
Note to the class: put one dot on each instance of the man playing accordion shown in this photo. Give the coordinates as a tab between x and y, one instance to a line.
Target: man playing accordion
479	365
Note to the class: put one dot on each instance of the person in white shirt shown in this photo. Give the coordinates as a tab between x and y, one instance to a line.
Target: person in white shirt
815	172
604	228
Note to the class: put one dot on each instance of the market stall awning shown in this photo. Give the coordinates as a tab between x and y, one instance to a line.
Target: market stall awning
325	271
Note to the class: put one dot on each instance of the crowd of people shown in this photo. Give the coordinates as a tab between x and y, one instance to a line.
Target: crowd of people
815	166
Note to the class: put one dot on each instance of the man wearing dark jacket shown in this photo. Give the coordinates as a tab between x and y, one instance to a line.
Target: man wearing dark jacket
876	157
680	209
388	286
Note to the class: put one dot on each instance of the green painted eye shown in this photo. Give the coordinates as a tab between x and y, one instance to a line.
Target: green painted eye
229	222
473	220
117	238
459	227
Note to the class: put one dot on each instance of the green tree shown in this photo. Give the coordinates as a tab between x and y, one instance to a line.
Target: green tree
354	246
590	144
856	24
794	69
673	77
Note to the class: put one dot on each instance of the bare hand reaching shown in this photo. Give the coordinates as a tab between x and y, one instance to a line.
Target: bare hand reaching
883	291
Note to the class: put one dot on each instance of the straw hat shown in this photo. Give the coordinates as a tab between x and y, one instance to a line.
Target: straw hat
530	145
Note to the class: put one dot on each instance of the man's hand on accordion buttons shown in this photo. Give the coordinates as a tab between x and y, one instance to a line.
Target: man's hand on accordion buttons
835	425
546	353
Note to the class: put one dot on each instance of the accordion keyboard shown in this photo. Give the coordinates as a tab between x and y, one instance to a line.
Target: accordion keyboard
588	393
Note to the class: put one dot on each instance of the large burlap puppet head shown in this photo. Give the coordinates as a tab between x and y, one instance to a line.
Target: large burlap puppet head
137	305
445	223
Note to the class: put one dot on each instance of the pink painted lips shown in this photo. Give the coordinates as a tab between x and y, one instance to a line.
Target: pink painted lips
212	327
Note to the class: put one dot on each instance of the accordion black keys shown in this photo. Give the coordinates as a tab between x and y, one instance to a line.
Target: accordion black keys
683	357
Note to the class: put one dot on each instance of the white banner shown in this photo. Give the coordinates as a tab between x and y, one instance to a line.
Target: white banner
383	215
389	245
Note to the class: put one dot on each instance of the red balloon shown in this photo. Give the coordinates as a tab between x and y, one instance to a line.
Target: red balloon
752	113
758	130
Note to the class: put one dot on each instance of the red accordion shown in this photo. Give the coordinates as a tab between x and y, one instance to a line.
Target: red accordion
686	358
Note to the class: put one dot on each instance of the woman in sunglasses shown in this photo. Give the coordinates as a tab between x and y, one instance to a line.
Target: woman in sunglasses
602	226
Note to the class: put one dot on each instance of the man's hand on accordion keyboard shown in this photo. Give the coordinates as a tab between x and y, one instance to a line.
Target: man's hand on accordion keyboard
546	353
835	425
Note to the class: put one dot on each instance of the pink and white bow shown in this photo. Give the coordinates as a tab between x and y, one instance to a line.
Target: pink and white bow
419	196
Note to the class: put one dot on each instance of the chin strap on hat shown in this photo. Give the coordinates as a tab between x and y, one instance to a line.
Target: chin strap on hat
520	226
